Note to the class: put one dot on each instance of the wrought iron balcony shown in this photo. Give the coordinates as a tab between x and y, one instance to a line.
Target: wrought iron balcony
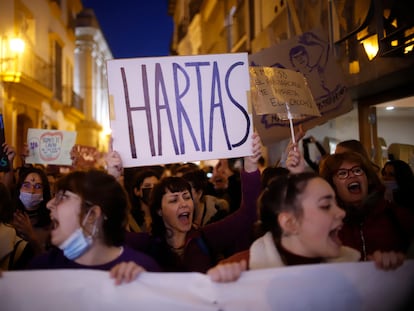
29	66
72	99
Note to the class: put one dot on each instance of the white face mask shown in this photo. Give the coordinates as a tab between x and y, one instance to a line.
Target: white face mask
31	200
77	243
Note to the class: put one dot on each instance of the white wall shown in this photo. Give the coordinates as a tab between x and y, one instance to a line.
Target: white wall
399	129
395	127
341	128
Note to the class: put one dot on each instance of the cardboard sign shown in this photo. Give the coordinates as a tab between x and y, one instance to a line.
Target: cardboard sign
180	108
344	287
85	157
50	146
310	55
280	91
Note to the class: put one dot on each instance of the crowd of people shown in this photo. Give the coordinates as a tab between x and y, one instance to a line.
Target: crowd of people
343	208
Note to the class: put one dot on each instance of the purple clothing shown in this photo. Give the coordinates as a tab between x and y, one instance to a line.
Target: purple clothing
54	259
205	245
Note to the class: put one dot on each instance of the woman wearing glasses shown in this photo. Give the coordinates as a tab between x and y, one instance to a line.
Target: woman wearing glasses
372	223
31	217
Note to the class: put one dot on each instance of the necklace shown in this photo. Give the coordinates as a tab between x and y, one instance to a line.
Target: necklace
178	250
364	250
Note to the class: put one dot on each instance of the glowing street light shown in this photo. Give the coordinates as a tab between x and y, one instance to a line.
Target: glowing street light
17	45
10	63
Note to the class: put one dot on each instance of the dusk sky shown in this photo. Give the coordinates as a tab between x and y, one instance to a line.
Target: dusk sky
134	28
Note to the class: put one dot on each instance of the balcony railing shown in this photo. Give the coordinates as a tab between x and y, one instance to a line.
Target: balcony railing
72	99
35	68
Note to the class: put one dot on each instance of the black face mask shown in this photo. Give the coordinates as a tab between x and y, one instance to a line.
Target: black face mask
146	192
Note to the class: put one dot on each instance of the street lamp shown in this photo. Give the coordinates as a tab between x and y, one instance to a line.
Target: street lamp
10	50
371	46
17	45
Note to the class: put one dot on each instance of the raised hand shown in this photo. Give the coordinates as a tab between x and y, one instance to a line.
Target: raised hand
10	152
295	162
23	226
114	164
251	162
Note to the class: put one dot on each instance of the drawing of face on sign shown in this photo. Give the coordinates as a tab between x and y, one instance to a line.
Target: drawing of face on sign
34	144
50	146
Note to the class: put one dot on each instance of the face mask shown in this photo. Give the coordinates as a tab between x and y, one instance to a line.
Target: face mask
31	200
146	192
77	243
390	187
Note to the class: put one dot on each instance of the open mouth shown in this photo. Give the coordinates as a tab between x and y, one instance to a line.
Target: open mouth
184	218
54	224
354	187
333	234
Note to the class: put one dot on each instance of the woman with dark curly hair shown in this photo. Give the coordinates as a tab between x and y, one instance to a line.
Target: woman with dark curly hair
180	247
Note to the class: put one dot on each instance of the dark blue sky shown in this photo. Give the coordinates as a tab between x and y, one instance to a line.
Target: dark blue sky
134	28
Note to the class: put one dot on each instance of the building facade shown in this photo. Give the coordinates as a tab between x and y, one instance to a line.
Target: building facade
372	40
57	79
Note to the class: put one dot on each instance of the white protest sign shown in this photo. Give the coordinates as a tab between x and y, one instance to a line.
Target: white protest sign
180	108
275	88
50	146
342	286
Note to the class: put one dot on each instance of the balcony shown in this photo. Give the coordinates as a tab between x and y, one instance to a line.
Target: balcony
28	66
72	99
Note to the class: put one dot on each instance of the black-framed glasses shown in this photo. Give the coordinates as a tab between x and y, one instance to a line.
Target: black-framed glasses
343	173
28	185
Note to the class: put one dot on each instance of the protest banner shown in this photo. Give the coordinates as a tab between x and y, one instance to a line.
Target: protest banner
311	55
180	108
334	286
50	146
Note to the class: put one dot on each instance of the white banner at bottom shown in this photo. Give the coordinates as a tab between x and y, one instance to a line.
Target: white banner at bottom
344	286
